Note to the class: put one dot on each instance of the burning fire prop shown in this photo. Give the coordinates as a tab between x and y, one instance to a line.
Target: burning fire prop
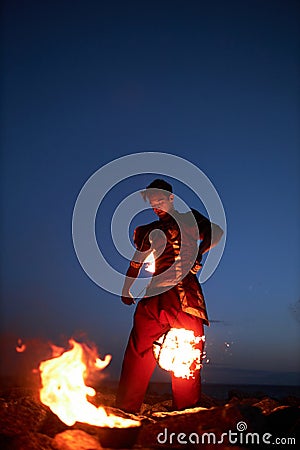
178	351
65	392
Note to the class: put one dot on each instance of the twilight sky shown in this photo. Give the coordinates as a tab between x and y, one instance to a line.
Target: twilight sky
217	83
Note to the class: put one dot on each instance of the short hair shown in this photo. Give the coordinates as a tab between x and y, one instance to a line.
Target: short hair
158	183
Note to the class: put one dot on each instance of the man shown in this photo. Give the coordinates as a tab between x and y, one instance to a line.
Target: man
173	298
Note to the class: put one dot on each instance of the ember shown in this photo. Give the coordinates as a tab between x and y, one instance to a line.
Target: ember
65	392
177	352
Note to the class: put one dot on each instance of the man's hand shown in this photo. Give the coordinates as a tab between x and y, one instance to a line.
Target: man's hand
196	267
131	275
127	298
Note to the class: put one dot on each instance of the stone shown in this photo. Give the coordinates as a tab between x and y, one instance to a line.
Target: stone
75	440
284	419
176	426
160	406
19	416
52	424
267	405
27	441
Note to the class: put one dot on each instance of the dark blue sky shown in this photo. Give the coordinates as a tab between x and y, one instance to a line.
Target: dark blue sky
217	83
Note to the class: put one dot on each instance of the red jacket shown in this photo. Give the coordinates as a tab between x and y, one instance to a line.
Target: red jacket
174	242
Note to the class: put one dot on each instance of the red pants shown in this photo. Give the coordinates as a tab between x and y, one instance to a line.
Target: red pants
153	317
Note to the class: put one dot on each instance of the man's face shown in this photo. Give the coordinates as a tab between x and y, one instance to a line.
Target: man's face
161	203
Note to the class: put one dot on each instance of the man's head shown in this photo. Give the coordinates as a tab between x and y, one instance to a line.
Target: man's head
160	195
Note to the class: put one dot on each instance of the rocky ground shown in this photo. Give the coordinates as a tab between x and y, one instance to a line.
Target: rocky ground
245	421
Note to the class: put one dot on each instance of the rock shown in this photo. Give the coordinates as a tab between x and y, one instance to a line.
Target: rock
52	424
195	422
154	398
267	405
291	401
118	437
244	401
120	413
75	440
20	416
105	399
209	402
26	424
253	417
284	420
161	406
27	441
167	405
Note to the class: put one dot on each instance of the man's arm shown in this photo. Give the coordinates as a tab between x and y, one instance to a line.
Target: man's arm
209	235
131	274
142	244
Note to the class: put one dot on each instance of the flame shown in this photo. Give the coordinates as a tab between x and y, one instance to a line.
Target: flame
99	364
65	392
150	263
20	348
56	351
177	351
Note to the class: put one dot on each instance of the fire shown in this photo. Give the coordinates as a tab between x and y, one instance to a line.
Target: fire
20	348
178	351
99	364
150	263
65	392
